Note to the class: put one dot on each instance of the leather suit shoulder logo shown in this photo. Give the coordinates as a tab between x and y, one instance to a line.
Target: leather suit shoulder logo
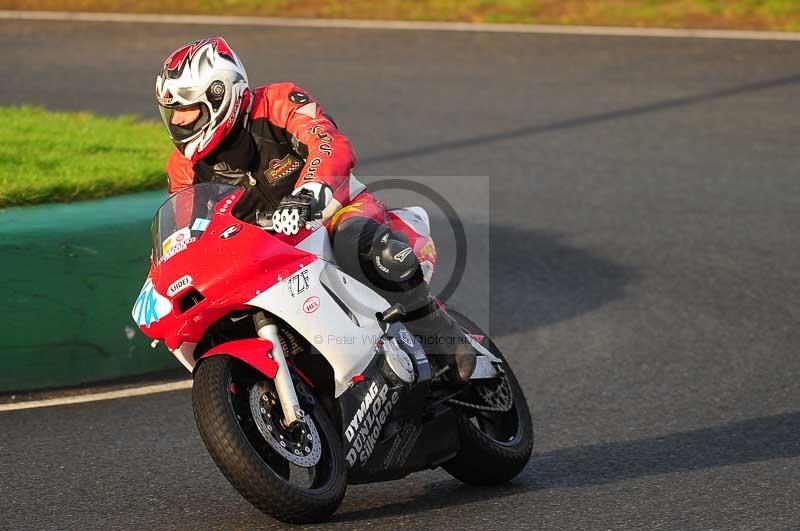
298	98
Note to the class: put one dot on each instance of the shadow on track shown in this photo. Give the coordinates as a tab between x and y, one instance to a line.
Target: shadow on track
536	278
533	130
747	441
550	279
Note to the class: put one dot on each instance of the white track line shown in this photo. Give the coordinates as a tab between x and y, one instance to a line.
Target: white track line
605	31
94	397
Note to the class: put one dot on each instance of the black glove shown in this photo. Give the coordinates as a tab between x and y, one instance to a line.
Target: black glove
295	211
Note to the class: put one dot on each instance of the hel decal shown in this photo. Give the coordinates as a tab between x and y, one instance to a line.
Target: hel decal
150	306
179	285
311	305
280	168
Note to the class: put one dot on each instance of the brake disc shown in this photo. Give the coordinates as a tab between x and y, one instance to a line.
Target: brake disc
300	445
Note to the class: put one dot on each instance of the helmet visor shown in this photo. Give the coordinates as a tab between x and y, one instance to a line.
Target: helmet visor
184	122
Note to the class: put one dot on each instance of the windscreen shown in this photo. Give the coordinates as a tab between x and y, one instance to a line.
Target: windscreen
183	217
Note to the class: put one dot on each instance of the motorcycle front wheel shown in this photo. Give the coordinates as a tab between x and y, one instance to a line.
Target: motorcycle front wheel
495	445
294	474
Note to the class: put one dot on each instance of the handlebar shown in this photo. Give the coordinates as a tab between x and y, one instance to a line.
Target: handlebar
288	223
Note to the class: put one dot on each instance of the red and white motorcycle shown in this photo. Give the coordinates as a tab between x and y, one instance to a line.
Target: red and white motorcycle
305	379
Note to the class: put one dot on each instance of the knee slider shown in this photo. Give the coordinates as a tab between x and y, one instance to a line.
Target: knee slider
392	257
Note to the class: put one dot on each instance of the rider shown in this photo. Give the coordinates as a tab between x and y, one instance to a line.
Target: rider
276	143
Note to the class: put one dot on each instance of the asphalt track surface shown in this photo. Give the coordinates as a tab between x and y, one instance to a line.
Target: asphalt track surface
643	220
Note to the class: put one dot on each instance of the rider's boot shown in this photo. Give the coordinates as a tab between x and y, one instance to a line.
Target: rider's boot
385	261
440	335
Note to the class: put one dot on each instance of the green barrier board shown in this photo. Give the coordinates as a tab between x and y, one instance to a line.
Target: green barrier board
70	275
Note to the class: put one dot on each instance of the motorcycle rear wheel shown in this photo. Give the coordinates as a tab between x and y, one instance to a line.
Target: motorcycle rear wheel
264	477
495	446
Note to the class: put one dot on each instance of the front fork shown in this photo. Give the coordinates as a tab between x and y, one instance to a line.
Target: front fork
292	413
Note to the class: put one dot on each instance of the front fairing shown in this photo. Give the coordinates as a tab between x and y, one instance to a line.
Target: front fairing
217	272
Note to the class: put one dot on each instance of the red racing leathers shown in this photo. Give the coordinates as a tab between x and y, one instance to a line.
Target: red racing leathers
285	142
291	142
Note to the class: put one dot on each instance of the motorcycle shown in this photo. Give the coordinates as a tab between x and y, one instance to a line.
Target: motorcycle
307	380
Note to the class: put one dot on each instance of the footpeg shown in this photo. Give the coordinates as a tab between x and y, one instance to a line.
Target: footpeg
392	314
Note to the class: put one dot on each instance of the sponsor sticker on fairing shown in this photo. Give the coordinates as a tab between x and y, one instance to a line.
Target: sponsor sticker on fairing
176	239
231	231
179	285
298	283
177	247
150	306
364	428
201	224
311	304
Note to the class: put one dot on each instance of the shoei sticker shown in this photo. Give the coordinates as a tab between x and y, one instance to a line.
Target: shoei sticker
179	285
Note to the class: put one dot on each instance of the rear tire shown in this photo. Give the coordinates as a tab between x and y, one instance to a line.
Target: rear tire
495	446
257	472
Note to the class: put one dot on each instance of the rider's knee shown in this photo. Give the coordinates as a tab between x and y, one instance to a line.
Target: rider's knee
392	256
371	251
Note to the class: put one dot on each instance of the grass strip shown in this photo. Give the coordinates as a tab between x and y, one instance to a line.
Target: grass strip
721	14
61	157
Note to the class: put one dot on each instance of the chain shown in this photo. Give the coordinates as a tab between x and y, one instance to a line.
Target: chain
499	398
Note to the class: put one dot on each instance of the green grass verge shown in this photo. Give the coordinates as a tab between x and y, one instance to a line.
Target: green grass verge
61	157
730	14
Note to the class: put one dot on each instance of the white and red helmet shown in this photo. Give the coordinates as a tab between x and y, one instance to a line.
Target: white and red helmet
208	74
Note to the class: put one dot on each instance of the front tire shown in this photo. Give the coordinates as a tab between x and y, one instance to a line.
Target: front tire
495	446
260	474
